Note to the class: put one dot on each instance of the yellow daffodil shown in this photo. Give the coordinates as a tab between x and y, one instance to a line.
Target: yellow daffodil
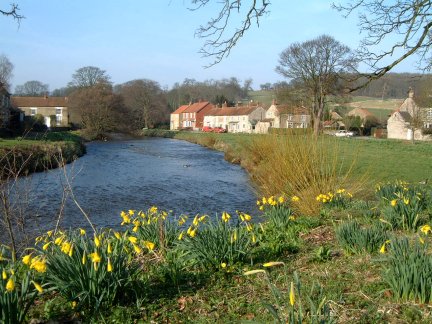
253	238
393	202
117	235
225	217
264	200
180	237
281	200
247	217
251	272
38	287
292	295
153	210
135	229
38	264
97	241
133	239
149	245
425	229
82	231
58	240
272	264
65	247
4	274
261	208
383	248
291	218
109	248
137	249
131	212
406	201
258	202
45	246
182	220
26	259
73	304
421	240
295	198
10	285
234	237
125	217
109	266
223	265
95	257
71	250
84	258
195	221
192	233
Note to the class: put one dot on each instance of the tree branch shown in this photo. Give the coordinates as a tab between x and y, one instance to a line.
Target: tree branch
12	12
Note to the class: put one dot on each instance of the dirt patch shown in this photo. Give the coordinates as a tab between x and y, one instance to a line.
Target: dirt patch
319	235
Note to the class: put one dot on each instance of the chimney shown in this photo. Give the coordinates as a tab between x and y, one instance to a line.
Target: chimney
224	105
274	102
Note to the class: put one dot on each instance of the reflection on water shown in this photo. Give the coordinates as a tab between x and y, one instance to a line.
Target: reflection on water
136	174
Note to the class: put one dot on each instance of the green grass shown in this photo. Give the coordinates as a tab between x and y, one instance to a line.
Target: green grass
264	97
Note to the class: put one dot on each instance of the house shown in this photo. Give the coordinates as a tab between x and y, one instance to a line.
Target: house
5	107
400	124
239	119
284	116
193	116
366	117
53	109
175	120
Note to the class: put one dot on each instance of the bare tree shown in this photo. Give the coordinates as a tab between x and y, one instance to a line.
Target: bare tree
406	23
146	102
12	12
32	88
6	68
218	45
88	76
319	65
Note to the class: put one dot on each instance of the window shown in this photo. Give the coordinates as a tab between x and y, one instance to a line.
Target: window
33	111
303	118
290	125
59	116
290	117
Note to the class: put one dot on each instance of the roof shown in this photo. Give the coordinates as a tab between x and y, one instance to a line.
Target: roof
361	112
231	111
39	101
180	109
196	107
404	114
291	110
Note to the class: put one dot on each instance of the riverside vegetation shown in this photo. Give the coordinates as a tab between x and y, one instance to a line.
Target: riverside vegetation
318	230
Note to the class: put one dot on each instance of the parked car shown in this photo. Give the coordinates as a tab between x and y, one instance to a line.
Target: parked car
207	129
219	130
344	133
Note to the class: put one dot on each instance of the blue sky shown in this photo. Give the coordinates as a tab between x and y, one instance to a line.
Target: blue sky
133	39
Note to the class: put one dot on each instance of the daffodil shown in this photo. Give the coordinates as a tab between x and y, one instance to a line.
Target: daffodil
251	272
10	285
109	248
84	258
393	202
38	287
117	235
65	247
133	239
225	217
149	245
195	221
383	248
425	229
223	265
281	200
109	266
272	264
73	304
82	231
247	217
45	246
137	249
26	259
291	294
180	237
4	274
97	241
95	257
38	264
192	233
295	198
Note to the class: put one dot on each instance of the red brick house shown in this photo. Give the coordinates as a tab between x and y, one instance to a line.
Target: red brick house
193	115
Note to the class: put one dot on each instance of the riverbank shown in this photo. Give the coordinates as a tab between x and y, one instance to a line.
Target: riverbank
21	156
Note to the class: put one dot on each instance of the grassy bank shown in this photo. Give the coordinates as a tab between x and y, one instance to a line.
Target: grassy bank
41	152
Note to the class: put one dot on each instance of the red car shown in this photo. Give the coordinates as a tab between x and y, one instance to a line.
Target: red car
219	130
207	129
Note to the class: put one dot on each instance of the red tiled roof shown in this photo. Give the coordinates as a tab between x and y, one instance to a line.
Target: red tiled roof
39	101
180	109
196	107
231	111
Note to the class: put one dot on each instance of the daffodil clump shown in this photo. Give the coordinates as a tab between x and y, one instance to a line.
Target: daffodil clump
220	243
277	211
88	270
290	308
156	227
19	287
338	199
404	205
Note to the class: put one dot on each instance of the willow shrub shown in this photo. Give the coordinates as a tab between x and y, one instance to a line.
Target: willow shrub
91	272
356	239
301	165
408	271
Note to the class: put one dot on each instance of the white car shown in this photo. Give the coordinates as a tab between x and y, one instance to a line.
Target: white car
344	133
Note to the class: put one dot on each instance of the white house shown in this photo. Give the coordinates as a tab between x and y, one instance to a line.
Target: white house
241	119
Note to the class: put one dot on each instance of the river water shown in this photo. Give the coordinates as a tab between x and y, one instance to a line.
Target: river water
137	174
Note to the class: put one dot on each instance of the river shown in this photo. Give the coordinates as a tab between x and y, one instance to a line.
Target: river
113	176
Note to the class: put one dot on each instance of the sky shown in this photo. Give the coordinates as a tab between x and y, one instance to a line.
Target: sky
136	39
